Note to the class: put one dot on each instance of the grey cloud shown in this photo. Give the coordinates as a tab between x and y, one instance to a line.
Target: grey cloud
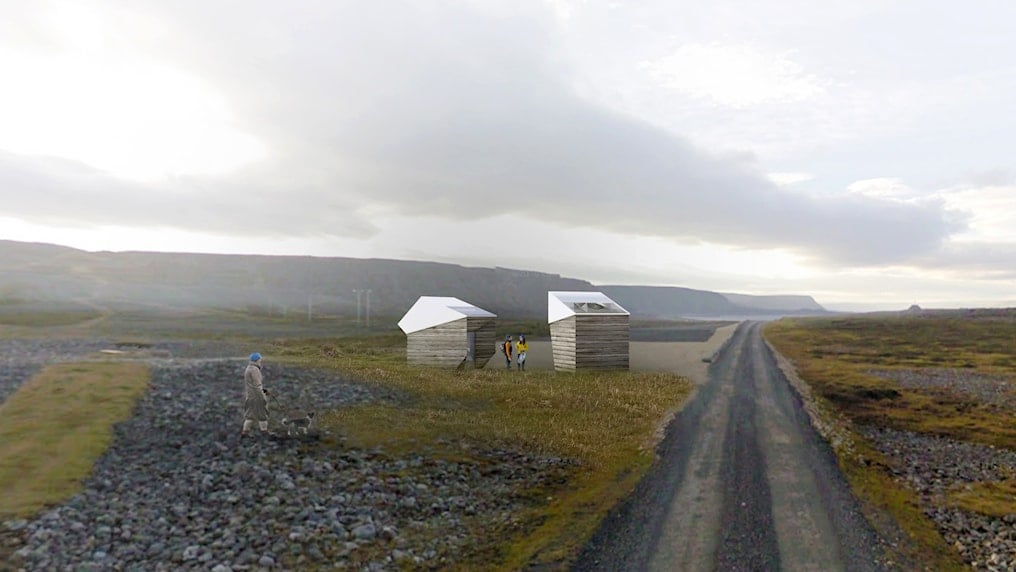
464	111
573	164
973	260
59	191
991	178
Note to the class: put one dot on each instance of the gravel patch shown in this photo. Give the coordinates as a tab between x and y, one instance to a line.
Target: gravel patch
934	466
185	349
179	489
12	376
995	389
21	359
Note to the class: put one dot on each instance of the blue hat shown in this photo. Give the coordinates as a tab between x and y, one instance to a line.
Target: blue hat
255	357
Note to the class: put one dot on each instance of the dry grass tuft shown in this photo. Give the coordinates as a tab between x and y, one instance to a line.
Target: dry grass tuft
993	499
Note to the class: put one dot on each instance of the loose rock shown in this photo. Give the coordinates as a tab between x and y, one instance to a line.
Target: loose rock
934	466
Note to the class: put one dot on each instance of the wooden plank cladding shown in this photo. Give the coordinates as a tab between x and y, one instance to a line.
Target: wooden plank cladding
448	344
442	345
590	341
484	332
562	341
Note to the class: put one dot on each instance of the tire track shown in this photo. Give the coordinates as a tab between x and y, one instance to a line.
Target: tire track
748	537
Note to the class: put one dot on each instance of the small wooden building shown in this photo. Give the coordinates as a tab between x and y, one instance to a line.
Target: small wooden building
448	332
588	330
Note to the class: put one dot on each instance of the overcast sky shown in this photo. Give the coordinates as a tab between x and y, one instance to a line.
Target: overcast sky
858	151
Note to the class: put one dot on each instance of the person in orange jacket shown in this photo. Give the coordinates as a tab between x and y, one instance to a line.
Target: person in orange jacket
506	347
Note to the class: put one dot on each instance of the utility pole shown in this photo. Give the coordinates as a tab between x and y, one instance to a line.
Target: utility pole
309	307
368	308
357	292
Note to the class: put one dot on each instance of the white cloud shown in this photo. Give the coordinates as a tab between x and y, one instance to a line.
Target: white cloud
89	100
890	188
789	178
734	75
564	9
990	210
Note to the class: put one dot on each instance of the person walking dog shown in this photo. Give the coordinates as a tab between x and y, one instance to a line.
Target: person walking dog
255	398
506	347
521	348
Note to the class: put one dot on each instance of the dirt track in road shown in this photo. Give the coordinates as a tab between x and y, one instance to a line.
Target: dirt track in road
743	483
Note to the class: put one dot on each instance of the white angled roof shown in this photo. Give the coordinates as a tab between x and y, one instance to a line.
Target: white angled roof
430	311
561	305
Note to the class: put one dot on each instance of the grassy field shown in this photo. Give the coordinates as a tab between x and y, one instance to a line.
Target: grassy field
606	422
56	425
47	319
152	324
836	357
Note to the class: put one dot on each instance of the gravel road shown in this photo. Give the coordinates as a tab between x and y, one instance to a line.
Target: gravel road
179	490
743	482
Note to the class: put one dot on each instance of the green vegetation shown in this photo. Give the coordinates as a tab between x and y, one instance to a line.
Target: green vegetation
836	356
224	325
47	319
56	425
994	499
531	328
604	420
227	325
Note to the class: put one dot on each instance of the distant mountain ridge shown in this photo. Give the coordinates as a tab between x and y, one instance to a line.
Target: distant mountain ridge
677	302
784	302
33	272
